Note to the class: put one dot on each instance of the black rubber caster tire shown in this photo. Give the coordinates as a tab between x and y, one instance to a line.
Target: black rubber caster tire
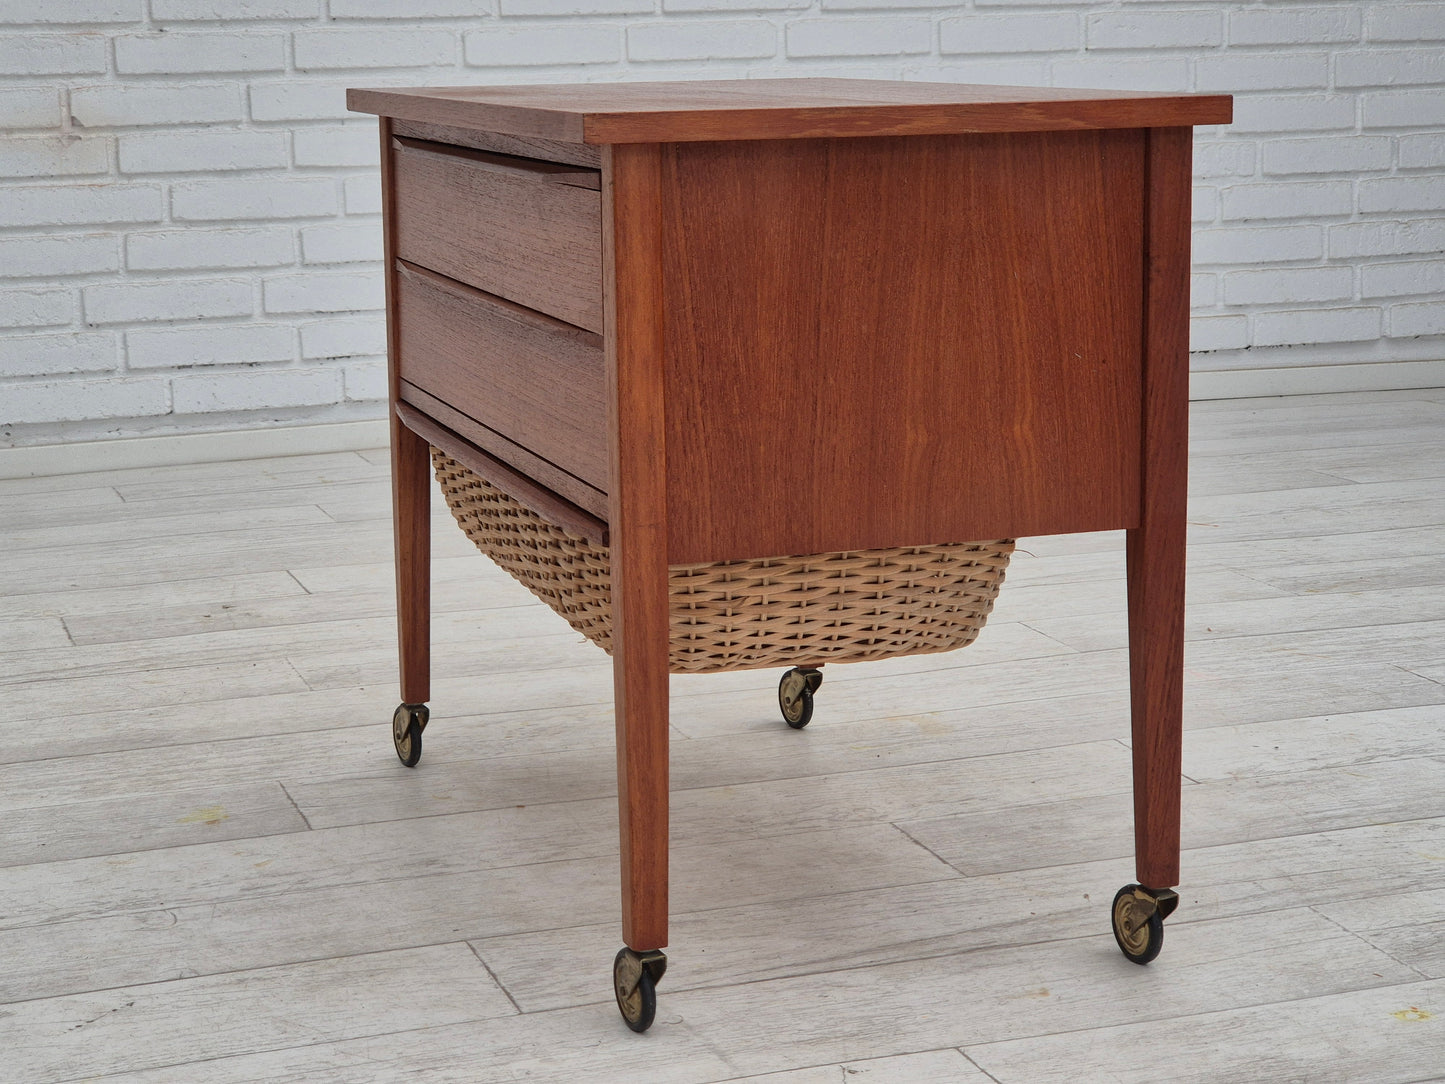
1140	944
638	1006
406	727
795	696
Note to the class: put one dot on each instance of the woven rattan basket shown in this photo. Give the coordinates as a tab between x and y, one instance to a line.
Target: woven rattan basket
738	615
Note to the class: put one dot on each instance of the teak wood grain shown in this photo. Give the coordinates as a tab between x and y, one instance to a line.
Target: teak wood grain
636	392
780	109
899	342
520	460
410	480
1156	546
547	150
516	167
819	315
510	226
521	486
537	381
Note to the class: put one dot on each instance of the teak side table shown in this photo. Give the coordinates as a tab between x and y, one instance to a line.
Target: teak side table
714	321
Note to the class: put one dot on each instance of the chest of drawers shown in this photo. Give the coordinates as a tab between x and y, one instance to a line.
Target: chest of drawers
709	322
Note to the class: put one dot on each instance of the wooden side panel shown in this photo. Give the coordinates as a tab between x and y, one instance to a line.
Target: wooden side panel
880	342
632	192
518	232
535	380
1156	546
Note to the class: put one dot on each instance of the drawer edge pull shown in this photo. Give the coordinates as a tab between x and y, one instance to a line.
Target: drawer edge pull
585	494
527	168
507	309
518	486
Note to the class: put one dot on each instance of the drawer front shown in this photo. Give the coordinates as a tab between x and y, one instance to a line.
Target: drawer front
536	381
521	229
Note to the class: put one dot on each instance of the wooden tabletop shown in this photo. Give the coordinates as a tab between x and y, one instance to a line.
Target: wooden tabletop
781	109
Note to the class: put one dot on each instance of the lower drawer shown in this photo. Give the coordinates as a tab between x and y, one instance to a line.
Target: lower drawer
537	381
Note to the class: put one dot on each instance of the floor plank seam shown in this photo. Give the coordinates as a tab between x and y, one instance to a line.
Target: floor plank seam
299	812
1200	546
198	635
229	534
1416	673
291	665
1216	637
493	975
91	1078
1365	822
103	669
100	670
1196	456
779	901
721	786
961	954
1144	1020
153	984
1066	650
406	878
772	781
977	1066
927	849
188	706
1365	937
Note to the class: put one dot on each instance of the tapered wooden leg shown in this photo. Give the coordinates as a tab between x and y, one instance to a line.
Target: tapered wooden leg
1156	546
411	522
1156	666
410	492
637	524
640	681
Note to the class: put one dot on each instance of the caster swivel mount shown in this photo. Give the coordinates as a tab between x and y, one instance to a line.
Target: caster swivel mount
795	695
407	723
1139	915
635	976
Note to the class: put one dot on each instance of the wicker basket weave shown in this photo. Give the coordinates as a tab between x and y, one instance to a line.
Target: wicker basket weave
738	615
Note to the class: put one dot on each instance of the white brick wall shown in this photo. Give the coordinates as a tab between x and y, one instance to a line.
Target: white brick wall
188	216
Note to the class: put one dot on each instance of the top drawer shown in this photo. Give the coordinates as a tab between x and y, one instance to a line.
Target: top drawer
528	231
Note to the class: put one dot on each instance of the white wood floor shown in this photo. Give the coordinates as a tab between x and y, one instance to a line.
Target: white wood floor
214	869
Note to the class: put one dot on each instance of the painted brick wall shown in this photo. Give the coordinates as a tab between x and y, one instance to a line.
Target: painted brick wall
189	236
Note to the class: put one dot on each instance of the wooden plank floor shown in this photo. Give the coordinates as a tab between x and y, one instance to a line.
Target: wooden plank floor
212	868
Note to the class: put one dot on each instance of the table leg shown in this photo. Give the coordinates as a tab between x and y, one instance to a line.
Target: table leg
1156	546
640	681
410	508
637	524
1156	667
632	181
411	524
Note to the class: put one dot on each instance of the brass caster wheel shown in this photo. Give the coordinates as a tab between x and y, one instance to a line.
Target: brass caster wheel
634	980
1139	915
795	695
407	723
